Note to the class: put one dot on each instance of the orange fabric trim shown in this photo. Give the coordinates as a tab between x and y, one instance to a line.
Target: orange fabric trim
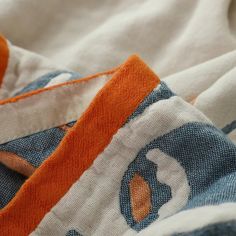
4	55
140	195
68	83
65	127
90	135
16	163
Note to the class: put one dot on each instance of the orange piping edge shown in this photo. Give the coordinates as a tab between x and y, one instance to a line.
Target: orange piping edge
16	163
41	90
4	55
90	135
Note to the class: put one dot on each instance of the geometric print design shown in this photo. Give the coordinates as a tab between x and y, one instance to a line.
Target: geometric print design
230	127
34	149
73	232
141	194
10	183
208	158
160	93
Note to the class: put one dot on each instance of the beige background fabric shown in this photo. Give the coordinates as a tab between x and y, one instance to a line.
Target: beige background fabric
190	44
91	36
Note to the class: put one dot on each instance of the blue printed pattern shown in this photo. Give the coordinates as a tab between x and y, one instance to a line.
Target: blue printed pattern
10	183
34	148
37	147
42	81
162	93
73	232
206	155
209	160
160	193
141	166
230	127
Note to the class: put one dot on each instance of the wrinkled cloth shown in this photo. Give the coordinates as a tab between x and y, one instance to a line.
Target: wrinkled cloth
120	152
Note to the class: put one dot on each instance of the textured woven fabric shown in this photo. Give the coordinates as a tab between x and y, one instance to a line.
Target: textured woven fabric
34	148
167	158
45	79
10	183
133	157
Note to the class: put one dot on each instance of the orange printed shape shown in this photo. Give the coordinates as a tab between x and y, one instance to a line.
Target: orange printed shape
64	127
140	196
109	110
4	55
16	163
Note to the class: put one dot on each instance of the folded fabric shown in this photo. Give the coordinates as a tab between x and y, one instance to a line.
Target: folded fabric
116	153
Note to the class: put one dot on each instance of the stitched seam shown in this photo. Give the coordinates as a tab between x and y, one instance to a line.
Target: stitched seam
48	126
52	88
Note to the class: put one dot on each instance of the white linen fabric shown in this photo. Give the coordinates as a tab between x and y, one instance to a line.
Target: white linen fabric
190	44
91	36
